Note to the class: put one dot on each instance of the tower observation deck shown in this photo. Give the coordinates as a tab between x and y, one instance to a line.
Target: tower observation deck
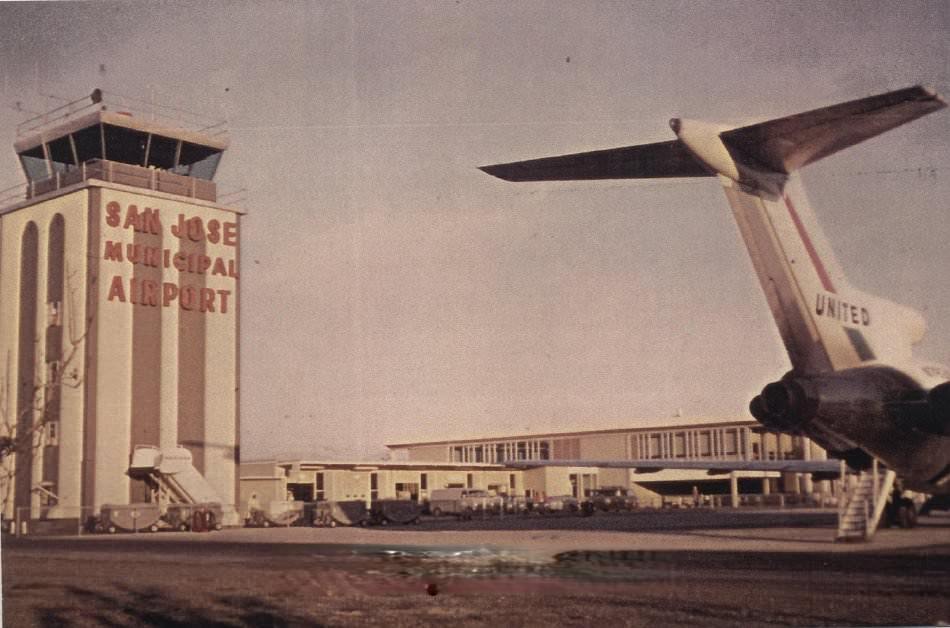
120	140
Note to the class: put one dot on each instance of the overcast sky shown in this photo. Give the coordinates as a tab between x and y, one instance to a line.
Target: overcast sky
393	292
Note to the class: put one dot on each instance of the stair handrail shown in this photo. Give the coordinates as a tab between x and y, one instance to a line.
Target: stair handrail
886	483
867	518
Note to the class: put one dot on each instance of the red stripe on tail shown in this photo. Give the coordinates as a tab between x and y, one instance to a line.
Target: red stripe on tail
812	253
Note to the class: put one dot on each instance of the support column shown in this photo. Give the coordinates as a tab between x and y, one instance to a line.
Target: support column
808	484
734	488
824	486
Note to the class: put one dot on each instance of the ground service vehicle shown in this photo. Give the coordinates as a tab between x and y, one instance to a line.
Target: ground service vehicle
612	498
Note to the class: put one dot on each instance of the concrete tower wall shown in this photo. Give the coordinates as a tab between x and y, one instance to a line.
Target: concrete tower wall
65	321
151	306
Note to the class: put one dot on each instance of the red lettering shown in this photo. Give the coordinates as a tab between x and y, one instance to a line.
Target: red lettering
113	251
151	222
196	230
207	300
232	269
214	231
230	234
132	218
224	300
149	292
204	263
219	268
116	289
186	298
169	293
180	262
179	230
113	211
153	256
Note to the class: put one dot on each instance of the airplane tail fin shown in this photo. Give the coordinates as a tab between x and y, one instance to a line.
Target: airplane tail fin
825	324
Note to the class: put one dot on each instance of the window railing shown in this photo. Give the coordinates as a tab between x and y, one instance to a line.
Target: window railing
114	172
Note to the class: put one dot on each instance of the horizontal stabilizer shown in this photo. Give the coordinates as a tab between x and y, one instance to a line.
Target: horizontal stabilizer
662	159
786	144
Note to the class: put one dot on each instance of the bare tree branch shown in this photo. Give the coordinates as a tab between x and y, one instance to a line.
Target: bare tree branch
50	378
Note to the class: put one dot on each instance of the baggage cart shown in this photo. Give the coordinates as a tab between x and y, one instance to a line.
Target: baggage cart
129	518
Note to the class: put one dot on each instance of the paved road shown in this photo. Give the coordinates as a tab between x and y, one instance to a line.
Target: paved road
649	569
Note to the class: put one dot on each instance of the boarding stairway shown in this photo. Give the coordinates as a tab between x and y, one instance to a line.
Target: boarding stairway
171	471
863	503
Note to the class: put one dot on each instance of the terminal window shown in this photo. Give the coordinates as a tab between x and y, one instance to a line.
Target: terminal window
731	442
320	490
705	443
679	445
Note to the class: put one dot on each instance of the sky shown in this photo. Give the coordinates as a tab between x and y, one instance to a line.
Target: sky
392	292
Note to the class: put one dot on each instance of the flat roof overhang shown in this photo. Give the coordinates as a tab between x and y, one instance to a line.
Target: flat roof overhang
310	465
619	430
127	121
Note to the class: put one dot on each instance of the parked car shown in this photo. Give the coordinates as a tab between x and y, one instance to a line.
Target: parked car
462	501
612	498
560	503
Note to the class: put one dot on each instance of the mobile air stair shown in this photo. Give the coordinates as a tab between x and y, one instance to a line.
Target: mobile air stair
863	503
177	480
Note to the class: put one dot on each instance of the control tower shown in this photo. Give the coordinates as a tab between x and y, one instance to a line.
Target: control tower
118	307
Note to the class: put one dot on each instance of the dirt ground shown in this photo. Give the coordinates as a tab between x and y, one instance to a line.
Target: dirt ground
443	573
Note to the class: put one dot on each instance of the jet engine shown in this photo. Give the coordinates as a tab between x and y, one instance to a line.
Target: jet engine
789	404
783	406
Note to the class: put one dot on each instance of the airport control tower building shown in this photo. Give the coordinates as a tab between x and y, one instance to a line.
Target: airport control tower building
119	308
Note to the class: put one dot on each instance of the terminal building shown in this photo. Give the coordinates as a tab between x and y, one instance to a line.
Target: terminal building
722	440
417	468
119	308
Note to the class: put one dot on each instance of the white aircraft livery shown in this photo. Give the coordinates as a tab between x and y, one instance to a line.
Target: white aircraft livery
854	388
